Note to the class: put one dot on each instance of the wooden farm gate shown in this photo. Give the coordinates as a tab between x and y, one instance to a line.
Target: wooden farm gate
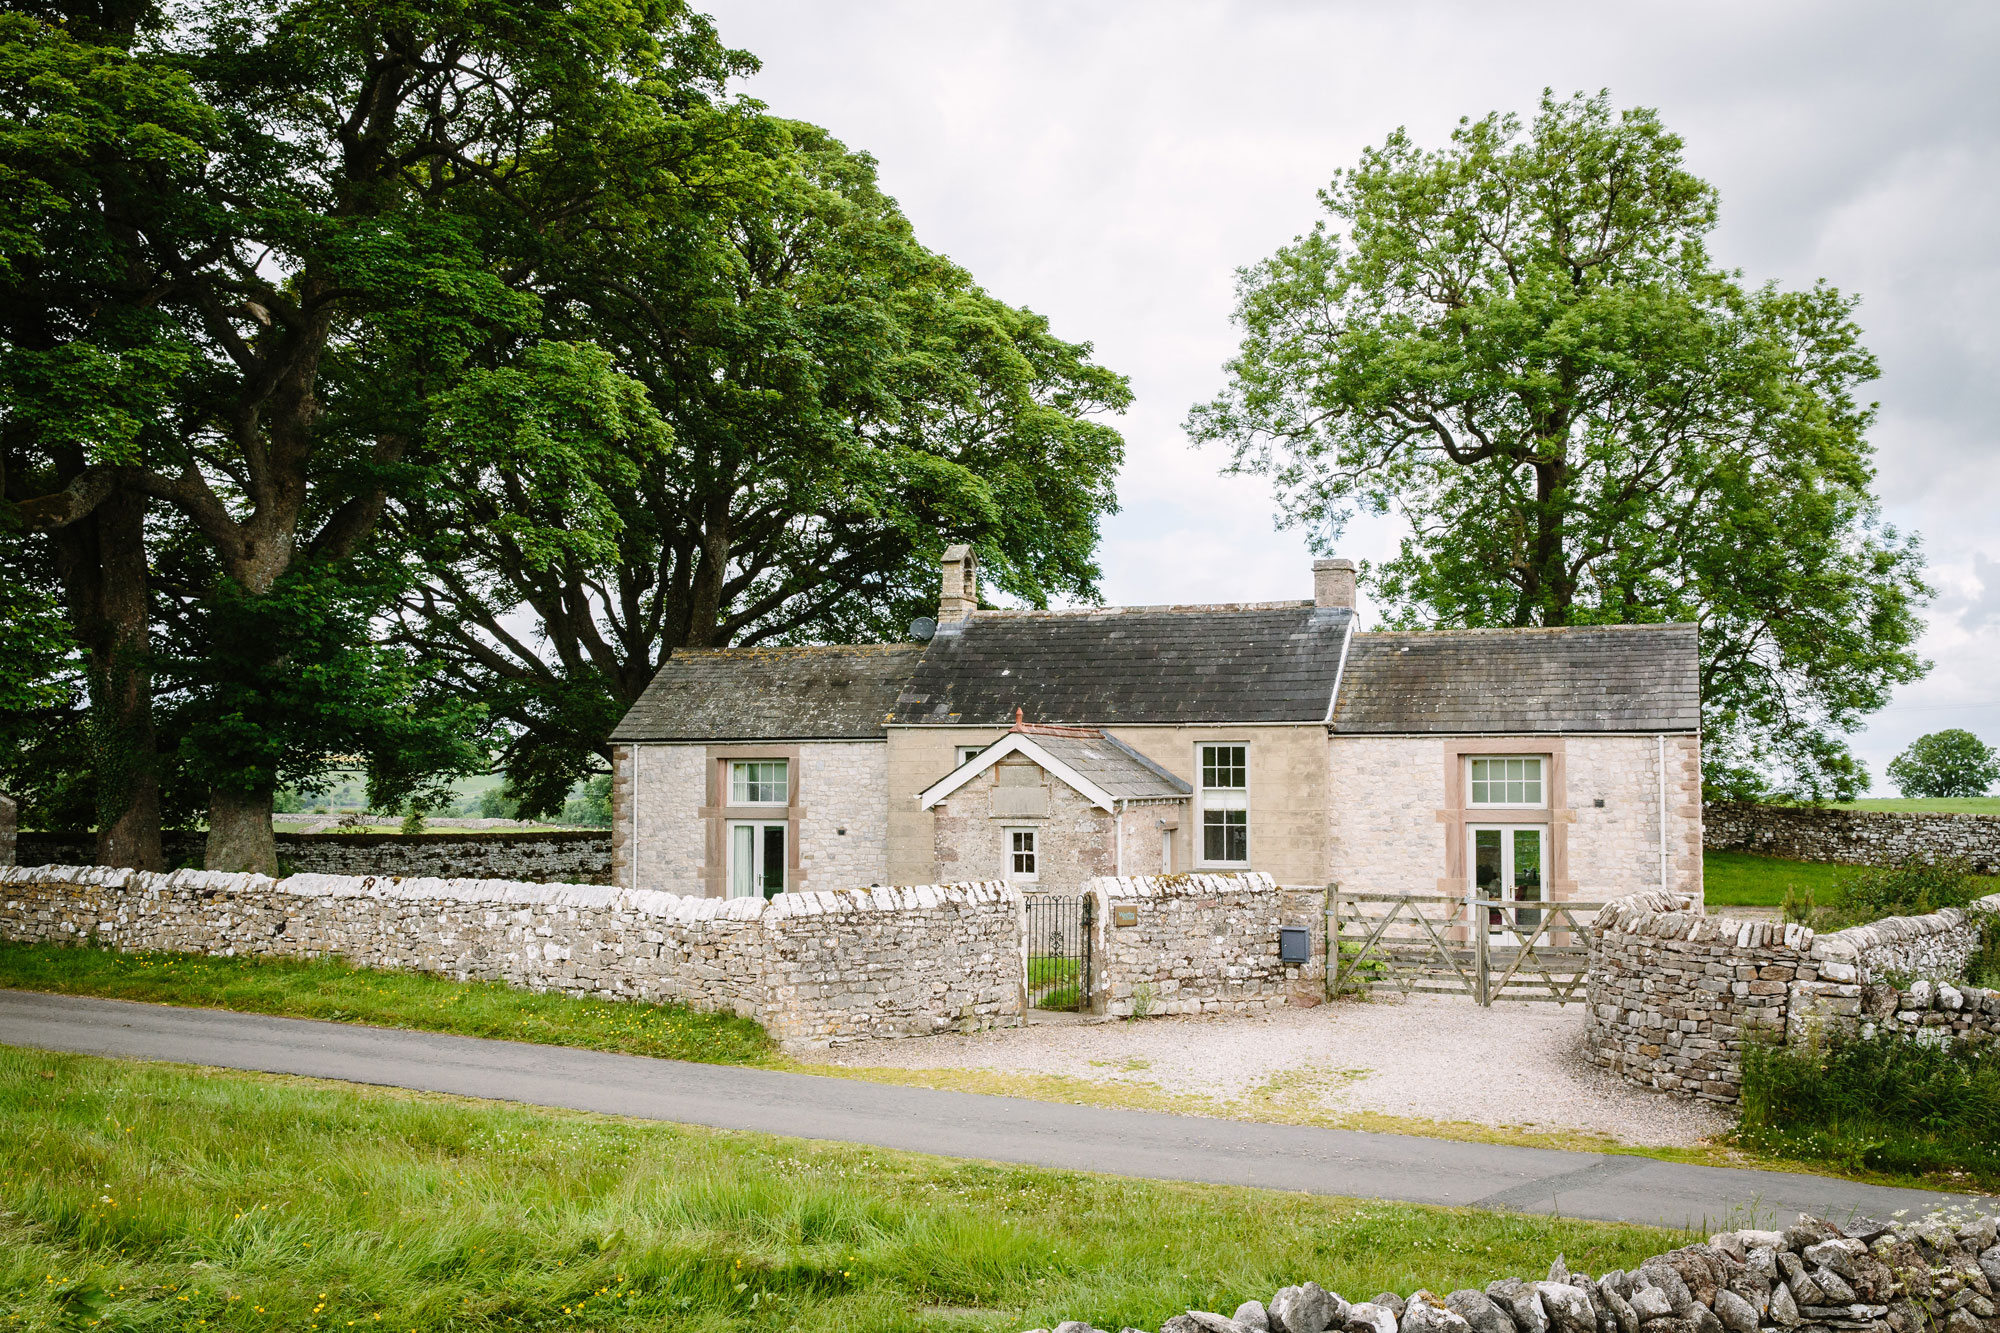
1486	949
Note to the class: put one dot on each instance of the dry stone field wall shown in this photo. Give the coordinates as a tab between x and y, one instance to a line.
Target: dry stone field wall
1673	993
1932	1276
1204	944
1859	837
541	858
814	968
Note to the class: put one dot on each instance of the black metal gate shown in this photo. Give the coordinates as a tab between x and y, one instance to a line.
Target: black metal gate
1059	931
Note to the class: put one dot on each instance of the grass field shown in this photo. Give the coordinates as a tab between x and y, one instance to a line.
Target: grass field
333	990
1738	879
1961	805
144	1198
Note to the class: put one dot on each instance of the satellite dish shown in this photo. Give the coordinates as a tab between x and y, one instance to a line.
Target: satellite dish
922	628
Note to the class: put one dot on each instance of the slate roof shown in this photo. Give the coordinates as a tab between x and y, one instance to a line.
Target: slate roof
1640	678
1274	662
1110	763
815	693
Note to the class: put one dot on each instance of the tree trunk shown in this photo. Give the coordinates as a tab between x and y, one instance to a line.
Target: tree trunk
102	558
239	832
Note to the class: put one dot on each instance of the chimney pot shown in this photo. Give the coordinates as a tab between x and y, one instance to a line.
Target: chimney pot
1333	583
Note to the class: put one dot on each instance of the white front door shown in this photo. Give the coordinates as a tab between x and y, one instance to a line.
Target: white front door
1507	862
756	859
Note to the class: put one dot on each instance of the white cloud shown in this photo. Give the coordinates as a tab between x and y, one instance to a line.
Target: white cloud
1112	164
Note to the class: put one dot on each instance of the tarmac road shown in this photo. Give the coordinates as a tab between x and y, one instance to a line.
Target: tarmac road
954	1124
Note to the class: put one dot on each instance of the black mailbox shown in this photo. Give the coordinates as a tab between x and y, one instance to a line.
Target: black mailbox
1294	944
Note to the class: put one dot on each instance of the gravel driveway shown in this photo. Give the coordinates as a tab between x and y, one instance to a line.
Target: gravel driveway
1432	1058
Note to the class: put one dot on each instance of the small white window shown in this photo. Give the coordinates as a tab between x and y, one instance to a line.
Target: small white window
964	754
1507	780
759	782
1225	804
1022	862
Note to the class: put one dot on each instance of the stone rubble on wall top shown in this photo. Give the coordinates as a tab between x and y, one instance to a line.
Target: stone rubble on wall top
597	897
1933	1276
1182	886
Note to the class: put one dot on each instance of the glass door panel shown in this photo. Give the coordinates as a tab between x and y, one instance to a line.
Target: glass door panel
1526	876
1489	869
771	871
742	860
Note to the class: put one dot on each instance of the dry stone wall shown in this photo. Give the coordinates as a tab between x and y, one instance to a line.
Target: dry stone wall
542	858
814	968
1203	944
1938	1274
1674	993
1859	837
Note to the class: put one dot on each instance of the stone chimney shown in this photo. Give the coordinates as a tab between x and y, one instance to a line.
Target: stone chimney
961	585
1333	583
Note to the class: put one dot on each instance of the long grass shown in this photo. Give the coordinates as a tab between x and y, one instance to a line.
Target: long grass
1883	1103
150	1198
1738	879
332	989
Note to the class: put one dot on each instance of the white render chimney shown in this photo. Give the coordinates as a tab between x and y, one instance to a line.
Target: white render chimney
961	585
1333	583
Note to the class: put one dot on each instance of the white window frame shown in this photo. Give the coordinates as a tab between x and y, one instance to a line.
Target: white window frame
1008	852
757	828
1541	782
785	796
1219	798
961	755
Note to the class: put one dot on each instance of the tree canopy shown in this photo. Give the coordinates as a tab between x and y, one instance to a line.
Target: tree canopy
1950	763
396	382
1520	346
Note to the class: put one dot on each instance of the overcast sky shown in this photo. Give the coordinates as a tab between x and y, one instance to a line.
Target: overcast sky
1112	164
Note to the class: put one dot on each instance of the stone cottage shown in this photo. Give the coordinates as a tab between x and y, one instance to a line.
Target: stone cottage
1046	747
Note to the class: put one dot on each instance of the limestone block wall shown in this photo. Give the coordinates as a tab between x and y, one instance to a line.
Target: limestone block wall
1859	837
1389	820
1076	842
1203	944
549	858
663	821
1674	993
815	968
842	841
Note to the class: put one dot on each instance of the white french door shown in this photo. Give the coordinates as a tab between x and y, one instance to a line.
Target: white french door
756	859
1507	861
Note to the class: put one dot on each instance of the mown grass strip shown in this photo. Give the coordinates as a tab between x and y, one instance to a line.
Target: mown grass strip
333	989
150	1197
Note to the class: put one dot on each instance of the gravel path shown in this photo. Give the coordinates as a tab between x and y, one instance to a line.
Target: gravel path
1433	1058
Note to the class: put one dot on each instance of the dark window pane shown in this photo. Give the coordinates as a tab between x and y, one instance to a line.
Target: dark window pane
774	860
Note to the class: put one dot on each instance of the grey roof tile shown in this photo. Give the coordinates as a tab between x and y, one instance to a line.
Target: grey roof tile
1642	678
817	693
1131	665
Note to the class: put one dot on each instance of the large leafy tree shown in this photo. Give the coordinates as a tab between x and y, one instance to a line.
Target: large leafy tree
1520	346
1951	763
839	403
280	272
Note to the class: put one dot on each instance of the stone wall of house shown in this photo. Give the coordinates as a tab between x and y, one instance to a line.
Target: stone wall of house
842	841
814	967
1075	841
668	795
1674	993
1858	837
544	858
1387	823
1203	944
